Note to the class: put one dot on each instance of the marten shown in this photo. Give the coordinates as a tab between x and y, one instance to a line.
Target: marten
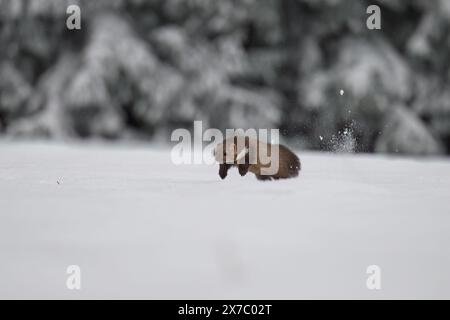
267	161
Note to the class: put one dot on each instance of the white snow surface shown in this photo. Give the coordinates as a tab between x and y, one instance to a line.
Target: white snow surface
141	227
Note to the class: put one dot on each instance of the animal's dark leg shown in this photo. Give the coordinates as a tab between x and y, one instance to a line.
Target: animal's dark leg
243	169
223	170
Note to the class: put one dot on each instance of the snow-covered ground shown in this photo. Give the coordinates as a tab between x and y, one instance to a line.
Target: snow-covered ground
141	227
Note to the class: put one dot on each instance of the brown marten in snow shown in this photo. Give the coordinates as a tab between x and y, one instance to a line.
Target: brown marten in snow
267	161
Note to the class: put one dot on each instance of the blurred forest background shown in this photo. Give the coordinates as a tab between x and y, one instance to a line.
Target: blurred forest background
138	69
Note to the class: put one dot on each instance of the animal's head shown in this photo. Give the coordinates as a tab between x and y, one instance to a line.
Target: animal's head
225	152
231	150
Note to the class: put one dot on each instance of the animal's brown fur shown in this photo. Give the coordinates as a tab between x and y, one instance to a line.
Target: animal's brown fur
227	152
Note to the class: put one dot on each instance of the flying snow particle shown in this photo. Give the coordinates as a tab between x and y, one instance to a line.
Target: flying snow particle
344	141
341	92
